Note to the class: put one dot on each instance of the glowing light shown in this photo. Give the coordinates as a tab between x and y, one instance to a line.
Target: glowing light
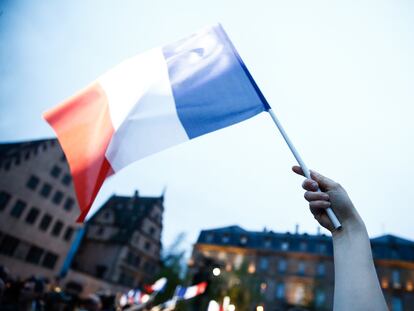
123	301
410	286
384	283
231	308
216	271
251	268
58	289
259	308
145	298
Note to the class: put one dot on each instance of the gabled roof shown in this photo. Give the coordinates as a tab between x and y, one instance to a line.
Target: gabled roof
129	212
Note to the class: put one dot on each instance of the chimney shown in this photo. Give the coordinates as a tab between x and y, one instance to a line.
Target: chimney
136	194
318	230
297	229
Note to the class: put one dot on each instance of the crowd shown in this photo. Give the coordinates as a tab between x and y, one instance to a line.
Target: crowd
42	294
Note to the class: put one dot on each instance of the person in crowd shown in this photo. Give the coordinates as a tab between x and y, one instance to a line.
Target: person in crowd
356	282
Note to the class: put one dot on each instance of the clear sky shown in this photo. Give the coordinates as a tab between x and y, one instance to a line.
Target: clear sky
339	74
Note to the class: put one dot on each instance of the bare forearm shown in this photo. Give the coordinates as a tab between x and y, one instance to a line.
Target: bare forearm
356	282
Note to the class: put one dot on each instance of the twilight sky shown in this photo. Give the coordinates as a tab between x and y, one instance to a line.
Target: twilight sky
340	76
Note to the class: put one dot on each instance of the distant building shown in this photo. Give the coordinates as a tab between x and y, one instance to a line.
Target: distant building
38	208
295	271
122	245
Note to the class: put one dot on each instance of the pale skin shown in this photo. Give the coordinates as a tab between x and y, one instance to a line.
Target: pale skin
356	282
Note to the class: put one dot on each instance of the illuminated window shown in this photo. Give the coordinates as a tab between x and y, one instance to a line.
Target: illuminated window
409	286
284	246
280	291
243	240
251	268
282	265
395	276
268	243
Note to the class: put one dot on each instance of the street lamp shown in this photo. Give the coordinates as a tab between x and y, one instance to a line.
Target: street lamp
216	271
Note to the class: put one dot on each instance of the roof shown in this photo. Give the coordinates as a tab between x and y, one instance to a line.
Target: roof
19	151
267	240
383	247
129	212
392	247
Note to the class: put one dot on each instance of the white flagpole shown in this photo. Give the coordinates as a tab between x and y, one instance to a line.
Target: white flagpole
329	211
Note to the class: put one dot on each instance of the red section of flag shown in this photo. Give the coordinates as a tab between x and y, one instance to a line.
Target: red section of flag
84	129
201	288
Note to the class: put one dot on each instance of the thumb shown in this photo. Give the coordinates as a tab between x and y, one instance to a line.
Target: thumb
324	183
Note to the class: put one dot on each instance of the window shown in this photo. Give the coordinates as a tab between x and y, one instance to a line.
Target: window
32	182
18	209
100	230
268	243
147	246
280	291
4	199
225	238
57	198
264	263
68	234
66	179
282	265
302	246
322	248
243	240
46	220
49	261
152	230
46	189
284	246
68	204
301	268
32	215
320	269
57	228
209	238
396	280
8	245
34	255
320	298
55	172
396	304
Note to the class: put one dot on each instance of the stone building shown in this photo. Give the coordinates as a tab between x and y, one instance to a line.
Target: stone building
122	245
38	208
295	271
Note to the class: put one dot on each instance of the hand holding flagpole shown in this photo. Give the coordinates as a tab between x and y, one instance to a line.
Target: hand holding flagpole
335	222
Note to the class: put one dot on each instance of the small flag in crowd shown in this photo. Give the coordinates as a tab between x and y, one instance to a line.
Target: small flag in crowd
150	102
158	286
190	292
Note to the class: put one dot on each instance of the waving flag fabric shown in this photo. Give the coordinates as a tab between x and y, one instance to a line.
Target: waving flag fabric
190	292
151	102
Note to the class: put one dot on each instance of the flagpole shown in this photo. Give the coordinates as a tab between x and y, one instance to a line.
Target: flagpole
337	225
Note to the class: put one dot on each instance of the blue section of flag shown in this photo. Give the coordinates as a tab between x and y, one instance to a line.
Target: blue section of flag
180	292
212	87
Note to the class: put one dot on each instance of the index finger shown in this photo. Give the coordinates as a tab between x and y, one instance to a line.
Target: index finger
298	170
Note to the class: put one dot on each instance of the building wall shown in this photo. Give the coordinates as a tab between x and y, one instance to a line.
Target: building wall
35	184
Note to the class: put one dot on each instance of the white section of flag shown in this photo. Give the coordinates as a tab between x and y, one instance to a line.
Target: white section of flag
142	109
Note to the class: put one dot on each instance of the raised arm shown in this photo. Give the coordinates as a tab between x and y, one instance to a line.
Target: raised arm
356	282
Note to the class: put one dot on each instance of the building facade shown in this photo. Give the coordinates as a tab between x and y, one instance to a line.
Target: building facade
291	271
122	244
38	208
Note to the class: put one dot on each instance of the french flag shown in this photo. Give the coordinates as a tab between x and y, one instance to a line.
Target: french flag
150	102
190	292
